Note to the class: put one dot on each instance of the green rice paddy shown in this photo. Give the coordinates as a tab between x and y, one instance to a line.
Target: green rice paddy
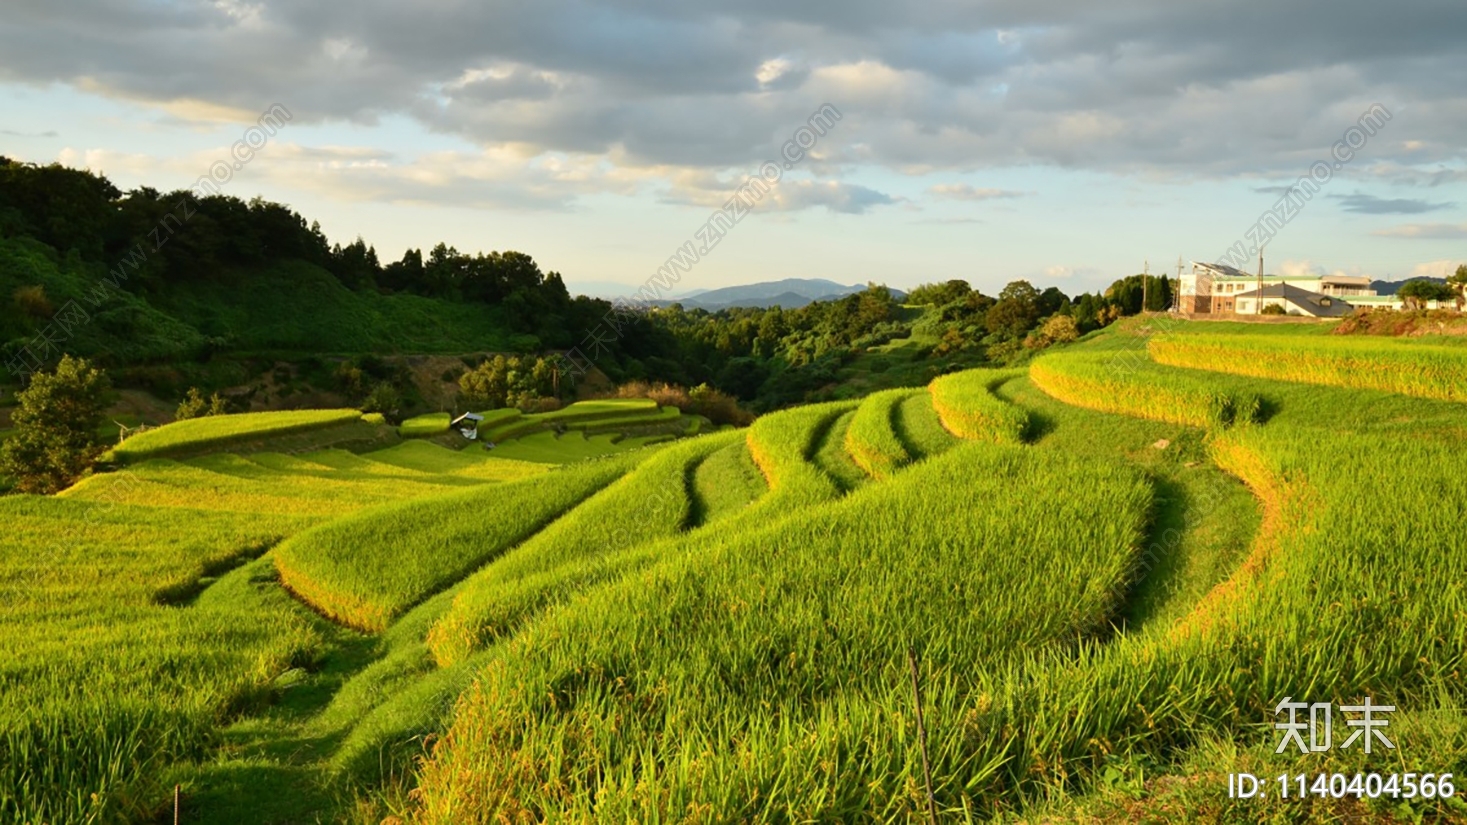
1102	573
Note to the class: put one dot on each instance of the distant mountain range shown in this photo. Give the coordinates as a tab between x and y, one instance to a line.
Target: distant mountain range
1390	287
788	293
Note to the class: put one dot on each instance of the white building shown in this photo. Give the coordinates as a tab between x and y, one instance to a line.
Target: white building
1292	300
1219	289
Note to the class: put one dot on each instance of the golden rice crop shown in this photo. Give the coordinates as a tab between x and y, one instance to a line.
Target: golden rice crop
1409	368
1336	602
782	445
1111	382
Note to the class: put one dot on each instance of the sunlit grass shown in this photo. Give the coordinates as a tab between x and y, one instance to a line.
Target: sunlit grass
726	482
425	425
1136	386
649	503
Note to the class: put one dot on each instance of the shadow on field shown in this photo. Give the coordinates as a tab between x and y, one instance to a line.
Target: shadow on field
266	768
185	593
1158	568
1267	408
267	765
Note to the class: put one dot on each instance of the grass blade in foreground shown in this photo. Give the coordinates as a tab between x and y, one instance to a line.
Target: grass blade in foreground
104	687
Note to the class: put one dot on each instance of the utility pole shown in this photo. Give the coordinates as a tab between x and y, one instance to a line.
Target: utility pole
1177	296
1145	278
1258	309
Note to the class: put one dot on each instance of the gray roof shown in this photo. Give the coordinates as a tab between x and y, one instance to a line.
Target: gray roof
1313	303
1227	271
466	416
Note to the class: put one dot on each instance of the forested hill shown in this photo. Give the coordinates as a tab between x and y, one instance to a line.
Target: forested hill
148	276
141	278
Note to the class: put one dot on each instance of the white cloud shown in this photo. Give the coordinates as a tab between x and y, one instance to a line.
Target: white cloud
967	192
1295	269
1434	269
1141	87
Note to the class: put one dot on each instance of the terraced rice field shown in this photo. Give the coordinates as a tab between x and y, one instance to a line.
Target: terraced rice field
424	425
1101	574
1101	381
1427	371
872	440
220	431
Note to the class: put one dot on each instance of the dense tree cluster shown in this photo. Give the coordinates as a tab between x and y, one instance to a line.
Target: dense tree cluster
1415	294
779	356
174	239
218	275
526	382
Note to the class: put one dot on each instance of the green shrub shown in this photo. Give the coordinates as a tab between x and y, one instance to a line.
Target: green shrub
195	405
55	436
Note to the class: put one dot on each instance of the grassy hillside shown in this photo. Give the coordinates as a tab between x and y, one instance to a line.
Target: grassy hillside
1101	574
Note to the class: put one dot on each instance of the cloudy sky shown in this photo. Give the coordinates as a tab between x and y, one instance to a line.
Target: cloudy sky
1056	140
